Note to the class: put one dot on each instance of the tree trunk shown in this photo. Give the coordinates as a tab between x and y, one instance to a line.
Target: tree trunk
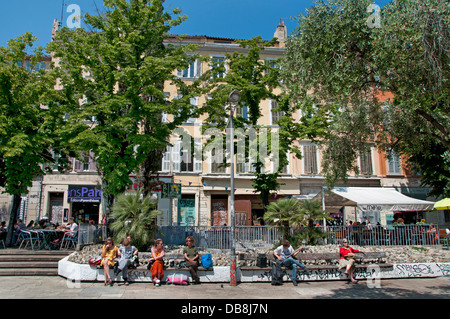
12	218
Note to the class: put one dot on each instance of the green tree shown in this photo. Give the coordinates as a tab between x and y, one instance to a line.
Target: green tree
28	120
118	71
134	215
338	63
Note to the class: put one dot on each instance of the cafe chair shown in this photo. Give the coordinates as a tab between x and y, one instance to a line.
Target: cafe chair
29	237
68	240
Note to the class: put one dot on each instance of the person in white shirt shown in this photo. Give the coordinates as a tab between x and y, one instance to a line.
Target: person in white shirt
285	254
71	227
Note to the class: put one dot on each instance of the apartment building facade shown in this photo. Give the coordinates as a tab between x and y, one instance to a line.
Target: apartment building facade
205	186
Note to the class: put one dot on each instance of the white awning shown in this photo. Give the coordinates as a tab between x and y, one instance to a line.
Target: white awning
381	199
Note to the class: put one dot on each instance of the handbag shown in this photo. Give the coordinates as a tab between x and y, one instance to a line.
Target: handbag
95	262
177	279
350	257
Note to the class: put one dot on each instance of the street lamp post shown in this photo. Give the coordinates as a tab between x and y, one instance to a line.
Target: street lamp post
234	99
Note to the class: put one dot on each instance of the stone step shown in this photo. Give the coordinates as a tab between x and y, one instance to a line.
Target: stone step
25	262
25	258
32	264
29	272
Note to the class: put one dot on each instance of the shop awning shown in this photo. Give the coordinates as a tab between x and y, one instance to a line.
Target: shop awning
373	199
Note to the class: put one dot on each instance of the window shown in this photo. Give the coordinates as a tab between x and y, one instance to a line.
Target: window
310	159
242	111
56	157
86	162
271	62
394	163
193	71
365	162
217	161
246	167
218	61
275	114
192	101
187	158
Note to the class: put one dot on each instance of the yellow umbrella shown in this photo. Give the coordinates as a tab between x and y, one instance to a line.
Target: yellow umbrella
443	204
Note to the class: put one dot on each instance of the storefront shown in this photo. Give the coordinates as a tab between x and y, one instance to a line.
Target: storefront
85	202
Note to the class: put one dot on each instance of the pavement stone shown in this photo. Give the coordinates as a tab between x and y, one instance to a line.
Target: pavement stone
27	287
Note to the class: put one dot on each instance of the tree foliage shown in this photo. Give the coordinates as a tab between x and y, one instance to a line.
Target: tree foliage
28	119
118	71
338	65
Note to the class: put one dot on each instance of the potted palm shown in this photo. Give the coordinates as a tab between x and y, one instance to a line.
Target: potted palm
135	215
298	215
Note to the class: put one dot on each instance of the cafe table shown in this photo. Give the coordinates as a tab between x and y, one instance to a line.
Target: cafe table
48	236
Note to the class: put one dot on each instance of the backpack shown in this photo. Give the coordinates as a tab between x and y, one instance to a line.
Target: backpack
261	261
277	274
207	261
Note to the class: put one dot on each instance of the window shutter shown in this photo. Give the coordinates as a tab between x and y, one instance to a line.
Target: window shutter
166	159
92	162
198	155
176	158
198	71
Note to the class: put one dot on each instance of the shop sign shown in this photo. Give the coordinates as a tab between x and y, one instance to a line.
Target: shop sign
171	190
84	194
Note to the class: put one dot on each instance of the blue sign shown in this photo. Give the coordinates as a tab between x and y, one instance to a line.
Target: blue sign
84	194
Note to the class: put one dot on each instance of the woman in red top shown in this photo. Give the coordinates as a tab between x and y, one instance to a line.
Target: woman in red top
348	257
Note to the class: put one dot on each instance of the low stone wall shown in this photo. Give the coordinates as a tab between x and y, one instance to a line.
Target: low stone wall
395	254
408	262
80	272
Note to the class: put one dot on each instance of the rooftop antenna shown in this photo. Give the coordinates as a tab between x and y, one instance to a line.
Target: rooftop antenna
62	13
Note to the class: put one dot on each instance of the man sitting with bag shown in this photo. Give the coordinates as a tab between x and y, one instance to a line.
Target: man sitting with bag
285	254
191	256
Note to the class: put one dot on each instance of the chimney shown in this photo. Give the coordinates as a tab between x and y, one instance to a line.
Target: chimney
55	28
281	32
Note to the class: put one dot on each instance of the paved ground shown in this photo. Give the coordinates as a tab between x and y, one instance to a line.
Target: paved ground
60	288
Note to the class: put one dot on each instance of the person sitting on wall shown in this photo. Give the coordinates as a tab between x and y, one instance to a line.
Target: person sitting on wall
285	254
347	259
191	256
127	252
109	253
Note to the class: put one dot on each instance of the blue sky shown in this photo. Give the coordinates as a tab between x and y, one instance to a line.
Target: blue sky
221	18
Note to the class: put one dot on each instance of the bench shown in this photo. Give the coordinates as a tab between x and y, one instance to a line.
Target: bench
323	265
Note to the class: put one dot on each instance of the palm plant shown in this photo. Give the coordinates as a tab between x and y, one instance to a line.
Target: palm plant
134	216
293	213
283	214
312	212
